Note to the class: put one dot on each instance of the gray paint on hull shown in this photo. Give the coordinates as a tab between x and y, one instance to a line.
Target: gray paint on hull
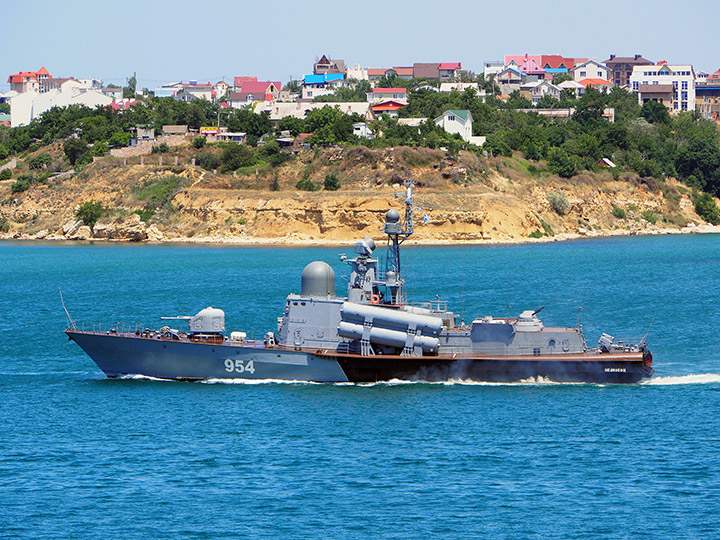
117	355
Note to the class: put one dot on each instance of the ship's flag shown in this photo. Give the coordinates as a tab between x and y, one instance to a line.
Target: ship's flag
426	218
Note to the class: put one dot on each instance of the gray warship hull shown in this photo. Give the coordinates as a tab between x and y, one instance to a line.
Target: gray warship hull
118	355
372	334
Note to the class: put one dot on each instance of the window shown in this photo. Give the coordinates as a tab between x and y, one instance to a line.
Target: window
600	74
636	85
451	117
684	85
582	74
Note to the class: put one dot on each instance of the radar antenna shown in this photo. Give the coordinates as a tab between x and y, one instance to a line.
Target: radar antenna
397	234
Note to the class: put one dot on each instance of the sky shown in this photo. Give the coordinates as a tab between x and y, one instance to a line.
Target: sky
184	40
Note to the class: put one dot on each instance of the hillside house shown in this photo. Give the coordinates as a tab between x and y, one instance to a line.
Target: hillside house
389	107
449	71
573	86
671	85
383	94
591	70
278	110
30	81
320	85
327	66
194	90
601	85
27	106
425	70
621	67
536	90
456	121
405	73
509	80
254	91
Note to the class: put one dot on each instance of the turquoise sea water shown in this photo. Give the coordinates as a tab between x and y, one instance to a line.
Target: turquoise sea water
86	457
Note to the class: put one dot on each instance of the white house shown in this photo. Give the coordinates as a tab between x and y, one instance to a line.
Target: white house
358	73
459	86
361	129
90	83
574	86
25	107
278	110
591	69
493	68
673	86
383	94
456	121
537	89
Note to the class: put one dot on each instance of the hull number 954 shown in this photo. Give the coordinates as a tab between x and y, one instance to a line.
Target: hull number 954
239	366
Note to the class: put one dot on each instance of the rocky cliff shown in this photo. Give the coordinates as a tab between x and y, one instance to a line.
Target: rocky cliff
467	199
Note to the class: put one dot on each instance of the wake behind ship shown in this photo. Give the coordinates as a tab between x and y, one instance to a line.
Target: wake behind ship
373	334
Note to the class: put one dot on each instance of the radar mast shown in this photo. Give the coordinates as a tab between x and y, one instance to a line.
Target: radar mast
397	233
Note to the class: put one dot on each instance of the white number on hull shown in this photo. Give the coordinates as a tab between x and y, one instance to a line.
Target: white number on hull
239	366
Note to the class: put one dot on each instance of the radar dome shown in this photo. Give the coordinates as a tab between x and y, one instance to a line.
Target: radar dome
318	279
369	242
392	216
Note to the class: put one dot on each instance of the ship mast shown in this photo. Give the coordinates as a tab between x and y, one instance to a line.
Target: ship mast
397	233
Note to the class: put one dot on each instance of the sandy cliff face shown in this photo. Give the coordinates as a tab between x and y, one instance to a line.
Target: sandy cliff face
466	199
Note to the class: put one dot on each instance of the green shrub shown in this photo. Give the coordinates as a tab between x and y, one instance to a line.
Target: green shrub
619	212
275	184
235	156
331	182
306	185
159	192
20	185
145	214
4	225
39	161
207	161
536	234
162	148
199	141
560	163
559	203
707	209
547	228
649	216
90	212
5	174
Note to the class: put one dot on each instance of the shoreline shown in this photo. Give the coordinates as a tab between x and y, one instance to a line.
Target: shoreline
299	241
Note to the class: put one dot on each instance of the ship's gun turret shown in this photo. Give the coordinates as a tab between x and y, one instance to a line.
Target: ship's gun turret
209	321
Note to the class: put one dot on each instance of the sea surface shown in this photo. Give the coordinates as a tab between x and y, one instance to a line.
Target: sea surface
85	457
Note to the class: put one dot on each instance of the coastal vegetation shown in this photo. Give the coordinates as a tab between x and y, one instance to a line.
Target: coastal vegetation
647	148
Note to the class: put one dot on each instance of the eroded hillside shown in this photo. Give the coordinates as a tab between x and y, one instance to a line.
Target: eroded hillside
467	199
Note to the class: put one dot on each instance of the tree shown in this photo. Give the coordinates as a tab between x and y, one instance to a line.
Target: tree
707	209
655	112
700	158
74	149
293	86
90	212
129	90
560	163
331	182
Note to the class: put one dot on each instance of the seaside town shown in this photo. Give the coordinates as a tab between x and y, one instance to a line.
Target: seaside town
642	121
